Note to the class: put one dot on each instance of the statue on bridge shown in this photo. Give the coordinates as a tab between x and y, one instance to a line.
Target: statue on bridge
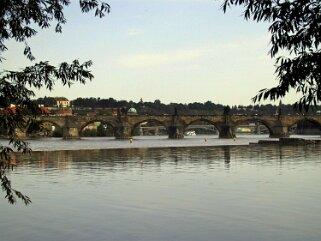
121	111
226	110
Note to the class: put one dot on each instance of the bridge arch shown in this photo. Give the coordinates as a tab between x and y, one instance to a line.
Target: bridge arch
199	122
97	127
306	125
154	127
44	127
253	129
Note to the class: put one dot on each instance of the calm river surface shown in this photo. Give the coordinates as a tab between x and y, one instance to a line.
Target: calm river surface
187	190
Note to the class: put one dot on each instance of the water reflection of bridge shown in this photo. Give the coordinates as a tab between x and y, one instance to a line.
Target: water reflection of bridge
175	125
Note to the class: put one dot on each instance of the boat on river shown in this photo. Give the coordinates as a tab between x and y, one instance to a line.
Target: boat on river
190	133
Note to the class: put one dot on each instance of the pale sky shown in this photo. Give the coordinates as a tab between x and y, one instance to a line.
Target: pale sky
172	50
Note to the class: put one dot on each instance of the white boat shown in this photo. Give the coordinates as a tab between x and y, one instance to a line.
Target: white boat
190	133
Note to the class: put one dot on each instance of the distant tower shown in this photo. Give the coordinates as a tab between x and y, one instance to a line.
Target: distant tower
141	103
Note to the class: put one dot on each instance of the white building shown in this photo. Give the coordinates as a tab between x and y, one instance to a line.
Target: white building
62	102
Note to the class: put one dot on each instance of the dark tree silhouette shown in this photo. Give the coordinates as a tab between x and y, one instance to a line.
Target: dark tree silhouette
295	27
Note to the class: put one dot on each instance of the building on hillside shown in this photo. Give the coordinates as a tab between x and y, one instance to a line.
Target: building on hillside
62	102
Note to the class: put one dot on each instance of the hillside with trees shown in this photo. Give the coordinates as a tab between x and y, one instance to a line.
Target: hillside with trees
100	106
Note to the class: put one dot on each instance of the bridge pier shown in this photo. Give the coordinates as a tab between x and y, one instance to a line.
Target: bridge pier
70	133
123	132
279	131
175	132
226	132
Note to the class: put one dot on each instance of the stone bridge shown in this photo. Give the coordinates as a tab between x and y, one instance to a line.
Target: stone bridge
123	125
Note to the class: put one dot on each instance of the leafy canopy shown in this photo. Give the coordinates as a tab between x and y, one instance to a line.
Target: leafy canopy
18	20
296	28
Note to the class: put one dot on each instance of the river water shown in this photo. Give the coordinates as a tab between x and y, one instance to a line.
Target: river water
196	189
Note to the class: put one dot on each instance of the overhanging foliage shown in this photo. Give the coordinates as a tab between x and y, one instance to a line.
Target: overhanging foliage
296	28
18	20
